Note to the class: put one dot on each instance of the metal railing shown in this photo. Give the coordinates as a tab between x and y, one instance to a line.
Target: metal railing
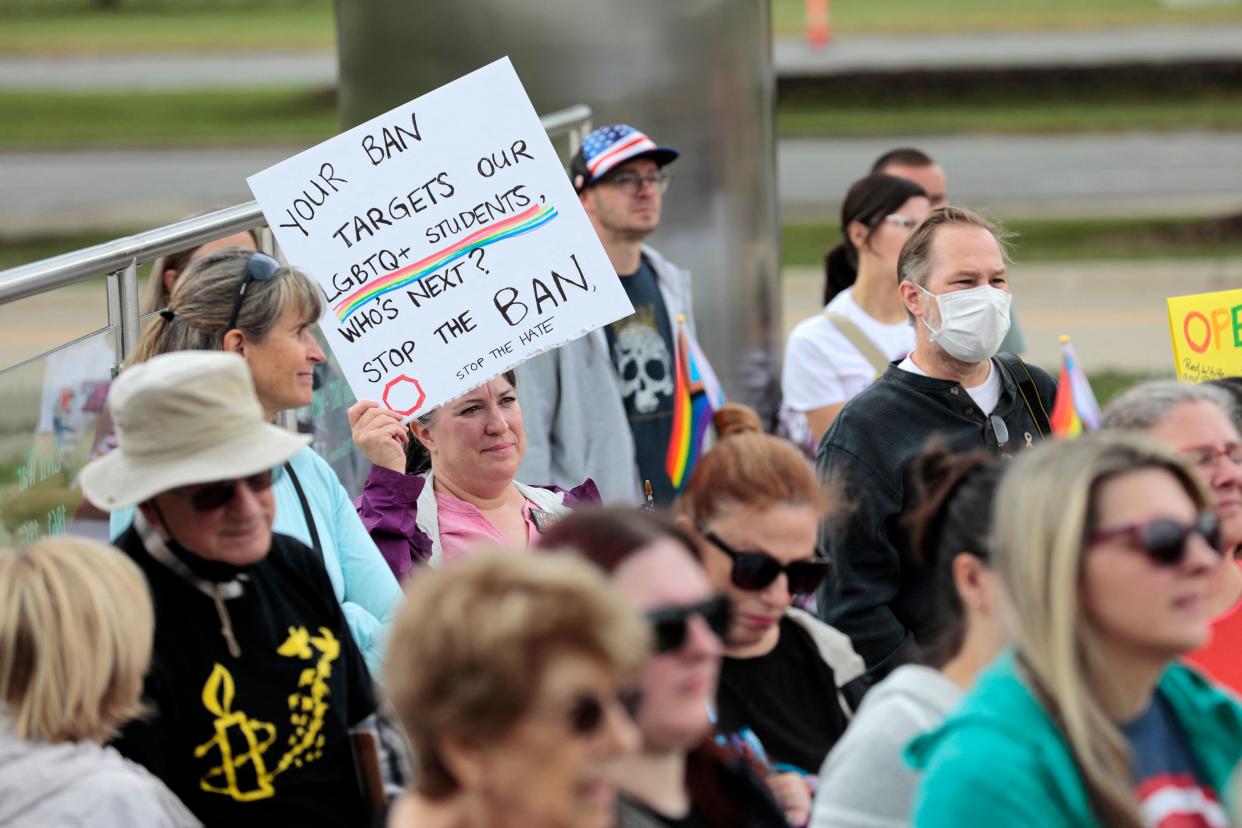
120	258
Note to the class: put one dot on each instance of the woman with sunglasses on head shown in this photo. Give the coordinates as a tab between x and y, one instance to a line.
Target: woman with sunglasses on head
1105	546
247	303
753	506
838	352
510	674
865	783
680	777
446	483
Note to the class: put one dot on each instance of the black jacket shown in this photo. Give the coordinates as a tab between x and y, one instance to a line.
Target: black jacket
876	593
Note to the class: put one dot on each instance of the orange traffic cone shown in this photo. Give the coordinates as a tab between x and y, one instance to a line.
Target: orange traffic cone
818	23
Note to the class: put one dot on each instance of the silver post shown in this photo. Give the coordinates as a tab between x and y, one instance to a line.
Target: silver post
114	320
130	323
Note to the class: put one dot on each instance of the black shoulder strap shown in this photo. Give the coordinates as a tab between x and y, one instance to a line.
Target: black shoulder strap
306	512
1027	390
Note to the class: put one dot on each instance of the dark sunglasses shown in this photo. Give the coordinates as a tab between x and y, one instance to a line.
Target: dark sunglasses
259	268
207	497
755	570
1164	539
995	433
586	715
670	625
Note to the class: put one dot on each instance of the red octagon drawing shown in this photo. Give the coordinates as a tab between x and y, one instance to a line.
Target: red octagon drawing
404	393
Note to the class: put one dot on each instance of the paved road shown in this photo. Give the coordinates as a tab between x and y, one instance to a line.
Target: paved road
1124	174
168	71
1010	50
791	55
1136	173
1115	312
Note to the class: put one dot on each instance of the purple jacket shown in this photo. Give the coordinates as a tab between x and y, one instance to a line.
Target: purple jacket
399	510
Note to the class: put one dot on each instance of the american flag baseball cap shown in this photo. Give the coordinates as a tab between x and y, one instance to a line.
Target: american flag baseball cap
610	146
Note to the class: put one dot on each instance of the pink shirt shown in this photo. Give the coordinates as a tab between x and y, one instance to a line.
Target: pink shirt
463	527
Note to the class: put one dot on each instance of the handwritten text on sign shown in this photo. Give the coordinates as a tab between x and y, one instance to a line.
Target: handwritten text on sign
447	239
1207	335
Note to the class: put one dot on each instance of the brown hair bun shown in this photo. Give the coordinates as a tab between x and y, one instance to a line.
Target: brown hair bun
735	418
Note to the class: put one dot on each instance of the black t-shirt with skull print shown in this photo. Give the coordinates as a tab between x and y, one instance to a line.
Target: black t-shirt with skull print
642	351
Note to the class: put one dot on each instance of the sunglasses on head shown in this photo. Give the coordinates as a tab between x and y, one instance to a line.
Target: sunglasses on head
1164	539
259	268
586	714
207	497
756	570
670	625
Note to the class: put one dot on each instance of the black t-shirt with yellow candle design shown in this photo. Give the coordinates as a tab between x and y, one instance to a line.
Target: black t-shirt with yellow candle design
259	738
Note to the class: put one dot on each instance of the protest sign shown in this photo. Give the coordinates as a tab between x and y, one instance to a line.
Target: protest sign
1207	335
447	239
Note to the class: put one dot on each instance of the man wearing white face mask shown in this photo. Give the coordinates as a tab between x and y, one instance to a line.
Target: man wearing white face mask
953	387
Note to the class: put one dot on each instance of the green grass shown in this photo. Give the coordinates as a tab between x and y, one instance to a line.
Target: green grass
240	117
1061	105
803	243
82	27
14	252
946	16
1067	239
299	116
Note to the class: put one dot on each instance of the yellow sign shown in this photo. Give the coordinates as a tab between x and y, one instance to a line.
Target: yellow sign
1207	335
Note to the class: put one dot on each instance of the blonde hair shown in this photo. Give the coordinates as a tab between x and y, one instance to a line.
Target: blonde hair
1045	509
76	626
469	648
202	300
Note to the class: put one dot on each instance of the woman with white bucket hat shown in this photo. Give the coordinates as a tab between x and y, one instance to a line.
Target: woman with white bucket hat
255	680
246	302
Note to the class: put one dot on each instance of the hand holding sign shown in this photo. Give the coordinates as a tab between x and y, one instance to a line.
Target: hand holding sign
447	239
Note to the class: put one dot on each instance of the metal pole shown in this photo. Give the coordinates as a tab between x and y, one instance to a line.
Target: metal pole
115	322
130	324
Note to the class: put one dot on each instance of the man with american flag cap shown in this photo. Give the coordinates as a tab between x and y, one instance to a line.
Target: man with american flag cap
603	405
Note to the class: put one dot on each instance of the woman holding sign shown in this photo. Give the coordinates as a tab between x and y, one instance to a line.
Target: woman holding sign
246	302
446	483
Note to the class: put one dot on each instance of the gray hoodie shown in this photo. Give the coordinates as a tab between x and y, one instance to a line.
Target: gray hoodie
572	408
73	784
864	782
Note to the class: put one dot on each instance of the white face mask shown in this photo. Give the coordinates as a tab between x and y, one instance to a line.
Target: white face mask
972	322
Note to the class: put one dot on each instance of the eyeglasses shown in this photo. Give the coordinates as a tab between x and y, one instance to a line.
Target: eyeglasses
207	497
755	570
670	625
1206	458
632	183
1164	539
586	713
259	268
995	432
903	221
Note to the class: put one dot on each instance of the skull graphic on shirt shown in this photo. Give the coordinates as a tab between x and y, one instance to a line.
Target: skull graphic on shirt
644	366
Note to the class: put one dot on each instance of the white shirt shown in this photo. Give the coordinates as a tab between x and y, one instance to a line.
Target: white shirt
986	394
823	368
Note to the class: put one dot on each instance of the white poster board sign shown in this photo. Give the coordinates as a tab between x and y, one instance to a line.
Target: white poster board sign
447	239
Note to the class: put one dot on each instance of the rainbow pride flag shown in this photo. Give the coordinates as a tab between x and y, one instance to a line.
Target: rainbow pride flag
529	219
696	396
1075	409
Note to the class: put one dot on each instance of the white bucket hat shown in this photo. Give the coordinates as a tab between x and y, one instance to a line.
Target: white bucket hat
182	418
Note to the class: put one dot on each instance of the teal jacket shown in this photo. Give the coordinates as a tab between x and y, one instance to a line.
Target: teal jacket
1000	760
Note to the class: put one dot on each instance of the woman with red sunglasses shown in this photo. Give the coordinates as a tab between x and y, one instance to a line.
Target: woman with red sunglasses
1105	546
753	506
680	777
